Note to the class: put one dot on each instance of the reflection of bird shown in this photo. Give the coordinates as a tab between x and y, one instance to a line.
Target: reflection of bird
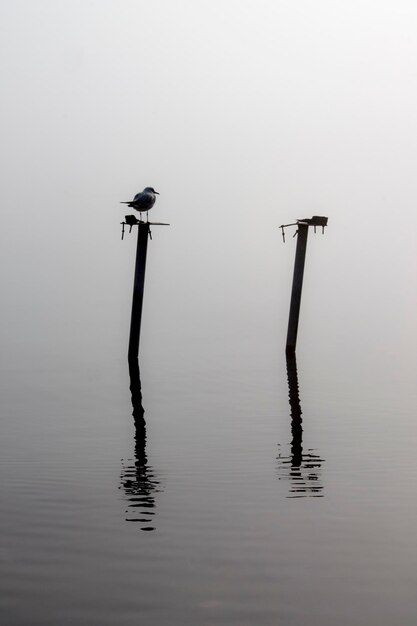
143	201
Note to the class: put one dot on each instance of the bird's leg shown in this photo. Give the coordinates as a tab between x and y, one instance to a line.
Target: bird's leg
147	216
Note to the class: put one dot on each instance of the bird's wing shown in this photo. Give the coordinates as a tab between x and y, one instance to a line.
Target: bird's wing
144	201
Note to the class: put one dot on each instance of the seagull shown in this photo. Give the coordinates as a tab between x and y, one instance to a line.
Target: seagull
143	201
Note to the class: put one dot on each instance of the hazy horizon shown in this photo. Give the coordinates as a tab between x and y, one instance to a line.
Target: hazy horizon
243	116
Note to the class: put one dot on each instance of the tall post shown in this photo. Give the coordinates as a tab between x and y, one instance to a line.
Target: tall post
297	286
138	285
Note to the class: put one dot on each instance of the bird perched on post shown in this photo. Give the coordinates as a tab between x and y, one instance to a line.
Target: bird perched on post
143	201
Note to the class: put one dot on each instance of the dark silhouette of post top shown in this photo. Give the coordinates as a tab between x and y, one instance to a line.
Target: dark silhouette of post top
144	233
139	480
297	283
302	468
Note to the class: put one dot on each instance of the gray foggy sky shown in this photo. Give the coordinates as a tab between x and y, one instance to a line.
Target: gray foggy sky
244	115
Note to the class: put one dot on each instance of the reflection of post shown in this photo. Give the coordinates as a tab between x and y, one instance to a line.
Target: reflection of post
302	468
138	286
297	285
296	419
138	478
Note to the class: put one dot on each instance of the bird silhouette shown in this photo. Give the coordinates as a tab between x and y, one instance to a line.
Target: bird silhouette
143	201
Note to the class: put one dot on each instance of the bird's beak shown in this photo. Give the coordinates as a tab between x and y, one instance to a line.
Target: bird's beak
157	192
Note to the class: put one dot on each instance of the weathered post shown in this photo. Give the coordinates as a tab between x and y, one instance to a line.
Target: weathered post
138	286
297	286
136	392
296	412
144	233
297	281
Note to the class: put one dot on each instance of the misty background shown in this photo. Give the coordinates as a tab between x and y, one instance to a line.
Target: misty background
243	116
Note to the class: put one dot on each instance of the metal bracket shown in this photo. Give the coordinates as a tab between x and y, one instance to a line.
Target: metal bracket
131	220
316	220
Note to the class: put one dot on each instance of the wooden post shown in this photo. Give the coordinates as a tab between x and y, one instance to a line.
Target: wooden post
138	285
296	412
136	391
297	286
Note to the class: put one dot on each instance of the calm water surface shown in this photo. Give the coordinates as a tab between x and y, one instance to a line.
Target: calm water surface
239	499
